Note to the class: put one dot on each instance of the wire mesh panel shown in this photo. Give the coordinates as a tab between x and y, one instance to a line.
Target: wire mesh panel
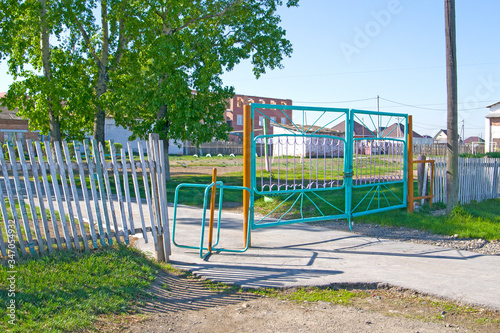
379	158
298	163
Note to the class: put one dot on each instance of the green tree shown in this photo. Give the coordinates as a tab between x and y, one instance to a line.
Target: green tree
101	32
40	66
171	82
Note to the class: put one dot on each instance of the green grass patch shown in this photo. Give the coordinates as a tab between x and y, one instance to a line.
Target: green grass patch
68	290
313	294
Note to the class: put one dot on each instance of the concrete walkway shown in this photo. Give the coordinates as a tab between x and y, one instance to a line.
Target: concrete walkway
304	255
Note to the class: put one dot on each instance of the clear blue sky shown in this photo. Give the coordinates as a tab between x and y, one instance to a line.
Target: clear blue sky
399	55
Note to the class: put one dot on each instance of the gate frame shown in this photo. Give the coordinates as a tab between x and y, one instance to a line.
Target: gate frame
249	173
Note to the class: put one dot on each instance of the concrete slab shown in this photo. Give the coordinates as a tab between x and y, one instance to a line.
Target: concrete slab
305	255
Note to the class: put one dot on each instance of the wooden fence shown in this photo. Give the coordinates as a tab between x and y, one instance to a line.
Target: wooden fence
214	148
54	199
479	179
440	149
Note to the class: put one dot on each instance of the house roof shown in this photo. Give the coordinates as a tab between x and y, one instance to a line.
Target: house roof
495	114
473	139
8	114
441	131
311	129
396	131
359	130
489	106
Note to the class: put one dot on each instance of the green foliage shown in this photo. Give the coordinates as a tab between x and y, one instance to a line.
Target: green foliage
118	147
58	93
171	79
154	67
314	294
490	154
495	154
68	290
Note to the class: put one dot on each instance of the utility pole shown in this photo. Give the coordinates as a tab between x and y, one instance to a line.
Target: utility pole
378	116
462	132
452	120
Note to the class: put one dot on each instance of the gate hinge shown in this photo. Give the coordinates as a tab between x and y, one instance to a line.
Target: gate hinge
348	174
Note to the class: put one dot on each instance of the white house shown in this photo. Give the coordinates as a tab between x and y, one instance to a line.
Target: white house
441	137
288	141
492	128
120	135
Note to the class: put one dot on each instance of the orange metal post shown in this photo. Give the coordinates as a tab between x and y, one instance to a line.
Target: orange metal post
212	211
247	148
410	165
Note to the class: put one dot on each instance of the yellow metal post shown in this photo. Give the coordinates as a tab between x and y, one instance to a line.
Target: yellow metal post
212	211
410	165
247	148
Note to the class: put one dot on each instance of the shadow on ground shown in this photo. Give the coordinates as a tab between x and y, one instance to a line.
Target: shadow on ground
175	293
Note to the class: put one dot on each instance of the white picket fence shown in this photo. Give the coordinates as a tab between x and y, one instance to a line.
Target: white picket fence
479	179
54	212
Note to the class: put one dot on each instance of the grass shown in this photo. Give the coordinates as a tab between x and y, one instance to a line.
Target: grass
67	291
315	294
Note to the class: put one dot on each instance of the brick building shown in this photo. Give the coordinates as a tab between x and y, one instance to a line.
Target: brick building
13	127
234	114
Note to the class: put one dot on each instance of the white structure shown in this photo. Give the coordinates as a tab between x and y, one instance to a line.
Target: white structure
492	128
120	135
298	145
441	137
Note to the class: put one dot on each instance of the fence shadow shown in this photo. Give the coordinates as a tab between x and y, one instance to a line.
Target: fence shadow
177	293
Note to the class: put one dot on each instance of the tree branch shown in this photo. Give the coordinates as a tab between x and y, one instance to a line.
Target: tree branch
122	41
86	39
206	17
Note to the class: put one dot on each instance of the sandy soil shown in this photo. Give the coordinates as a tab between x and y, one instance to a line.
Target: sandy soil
183	304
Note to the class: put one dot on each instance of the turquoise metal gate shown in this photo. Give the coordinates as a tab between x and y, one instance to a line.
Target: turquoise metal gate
315	164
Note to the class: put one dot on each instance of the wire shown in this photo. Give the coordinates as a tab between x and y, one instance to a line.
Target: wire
411	106
353	101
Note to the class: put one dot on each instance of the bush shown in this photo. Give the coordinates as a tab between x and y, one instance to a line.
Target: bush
495	154
118	146
490	154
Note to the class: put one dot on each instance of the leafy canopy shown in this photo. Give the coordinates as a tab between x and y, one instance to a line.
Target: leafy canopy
170	79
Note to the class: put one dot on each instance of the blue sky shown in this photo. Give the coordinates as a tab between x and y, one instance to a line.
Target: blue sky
346	51
399	55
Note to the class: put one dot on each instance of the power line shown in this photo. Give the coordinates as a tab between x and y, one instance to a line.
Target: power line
338	102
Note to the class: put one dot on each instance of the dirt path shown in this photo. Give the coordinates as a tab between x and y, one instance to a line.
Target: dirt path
180	304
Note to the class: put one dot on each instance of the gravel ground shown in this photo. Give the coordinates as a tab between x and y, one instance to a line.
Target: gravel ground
416	236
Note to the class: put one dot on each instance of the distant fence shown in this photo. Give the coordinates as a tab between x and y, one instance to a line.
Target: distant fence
56	199
440	149
478	179
214	148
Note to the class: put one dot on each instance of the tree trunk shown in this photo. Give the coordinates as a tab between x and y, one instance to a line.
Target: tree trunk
161	115
452	121
54	124
102	77
100	114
